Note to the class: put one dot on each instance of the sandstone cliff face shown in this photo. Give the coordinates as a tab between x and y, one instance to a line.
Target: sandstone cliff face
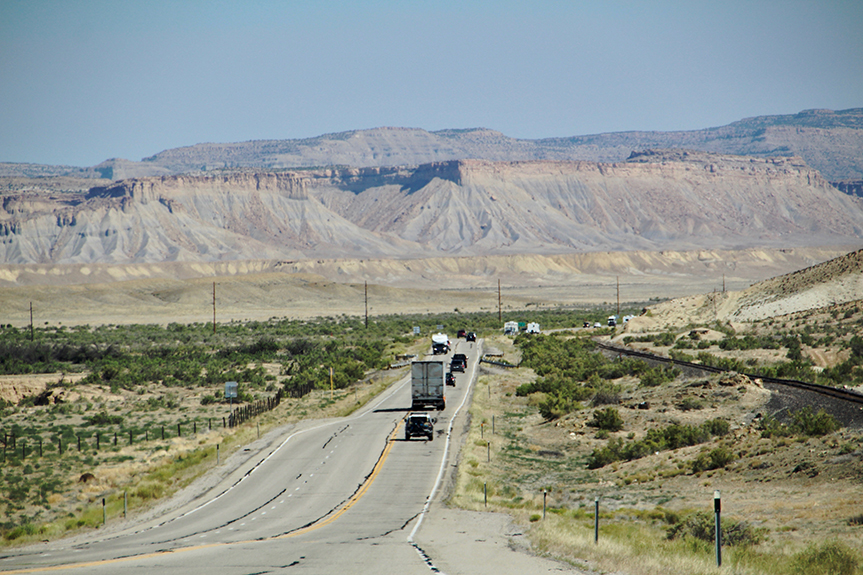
658	200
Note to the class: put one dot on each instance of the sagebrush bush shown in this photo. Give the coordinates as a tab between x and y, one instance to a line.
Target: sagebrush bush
803	422
658	375
715	459
813	424
829	558
671	437
702	526
607	419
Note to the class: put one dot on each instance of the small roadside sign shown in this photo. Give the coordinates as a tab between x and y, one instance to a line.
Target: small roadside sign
230	389
416	330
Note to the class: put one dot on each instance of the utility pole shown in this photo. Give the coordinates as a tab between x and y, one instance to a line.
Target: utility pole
499	312
714	303
214	307
31	321
723	283
366	284
618	298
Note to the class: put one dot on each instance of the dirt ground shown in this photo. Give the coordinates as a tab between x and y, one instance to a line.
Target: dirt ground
100	294
799	489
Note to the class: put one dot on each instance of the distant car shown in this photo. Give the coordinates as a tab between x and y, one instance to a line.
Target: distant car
458	363
586	324
461	333
471	336
419	424
597	324
450	379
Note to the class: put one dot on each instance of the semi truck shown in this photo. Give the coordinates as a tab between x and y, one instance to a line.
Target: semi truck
428	385
440	343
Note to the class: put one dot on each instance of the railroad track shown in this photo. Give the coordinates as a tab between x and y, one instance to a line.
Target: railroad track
843	394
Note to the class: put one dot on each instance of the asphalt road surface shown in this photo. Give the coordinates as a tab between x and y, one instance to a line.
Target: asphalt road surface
337	496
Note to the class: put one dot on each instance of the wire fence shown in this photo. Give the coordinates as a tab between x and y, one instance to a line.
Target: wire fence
21	445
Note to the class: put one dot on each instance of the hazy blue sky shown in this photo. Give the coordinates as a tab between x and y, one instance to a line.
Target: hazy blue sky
82	81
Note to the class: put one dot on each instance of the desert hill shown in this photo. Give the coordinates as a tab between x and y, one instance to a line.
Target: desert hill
657	201
829	141
833	282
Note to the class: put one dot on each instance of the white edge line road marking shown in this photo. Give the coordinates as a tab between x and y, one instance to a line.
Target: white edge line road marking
276	450
443	462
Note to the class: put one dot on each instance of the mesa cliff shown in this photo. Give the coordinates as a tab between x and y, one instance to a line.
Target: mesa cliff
657	200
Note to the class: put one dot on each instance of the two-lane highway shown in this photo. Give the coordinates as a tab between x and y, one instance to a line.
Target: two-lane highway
340	494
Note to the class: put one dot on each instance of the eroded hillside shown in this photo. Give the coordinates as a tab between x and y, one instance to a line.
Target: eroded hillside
834	282
664	201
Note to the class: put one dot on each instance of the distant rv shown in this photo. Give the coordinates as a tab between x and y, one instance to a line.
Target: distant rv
440	343
533	327
510	328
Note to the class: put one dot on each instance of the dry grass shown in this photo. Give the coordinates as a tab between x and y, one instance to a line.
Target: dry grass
760	487
150	472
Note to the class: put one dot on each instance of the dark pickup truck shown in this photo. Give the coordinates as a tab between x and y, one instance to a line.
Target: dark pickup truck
458	363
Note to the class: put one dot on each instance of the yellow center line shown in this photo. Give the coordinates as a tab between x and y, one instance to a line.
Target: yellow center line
348	504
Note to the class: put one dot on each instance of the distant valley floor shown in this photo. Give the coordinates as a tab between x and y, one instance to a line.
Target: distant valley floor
263	289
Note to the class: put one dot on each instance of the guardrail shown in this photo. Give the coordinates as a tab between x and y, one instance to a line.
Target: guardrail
497	363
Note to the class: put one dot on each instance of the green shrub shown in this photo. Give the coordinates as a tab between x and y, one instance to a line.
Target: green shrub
556	405
715	459
803	422
608	419
702	526
606	394
689	403
209	399
658	375
717	426
771	427
149	490
664	339
829	558
20	531
670	437
102	418
813	424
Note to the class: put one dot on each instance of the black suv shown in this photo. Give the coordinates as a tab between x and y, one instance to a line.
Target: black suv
458	363
471	336
419	424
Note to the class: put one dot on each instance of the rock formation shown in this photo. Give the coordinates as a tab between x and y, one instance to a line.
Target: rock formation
657	200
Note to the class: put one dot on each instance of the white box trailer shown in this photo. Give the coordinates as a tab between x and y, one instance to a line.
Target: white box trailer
428	385
510	328
533	327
